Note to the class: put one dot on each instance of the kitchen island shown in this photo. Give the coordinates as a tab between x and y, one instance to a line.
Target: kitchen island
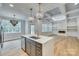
38	46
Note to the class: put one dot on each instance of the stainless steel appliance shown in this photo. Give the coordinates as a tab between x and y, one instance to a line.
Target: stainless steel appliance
1	36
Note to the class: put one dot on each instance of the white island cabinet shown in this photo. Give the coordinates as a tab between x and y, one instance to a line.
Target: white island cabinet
43	46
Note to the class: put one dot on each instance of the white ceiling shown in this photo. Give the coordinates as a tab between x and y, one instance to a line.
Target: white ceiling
22	9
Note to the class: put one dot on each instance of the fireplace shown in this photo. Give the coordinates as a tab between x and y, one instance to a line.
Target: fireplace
62	32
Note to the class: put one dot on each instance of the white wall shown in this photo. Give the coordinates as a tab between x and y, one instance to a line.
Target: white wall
38	26
23	24
26	27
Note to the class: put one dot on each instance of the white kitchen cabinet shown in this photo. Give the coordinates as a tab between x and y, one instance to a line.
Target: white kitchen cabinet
39	47
33	48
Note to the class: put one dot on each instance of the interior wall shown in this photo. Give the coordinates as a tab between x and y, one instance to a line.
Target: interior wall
23	24
38	27
26	27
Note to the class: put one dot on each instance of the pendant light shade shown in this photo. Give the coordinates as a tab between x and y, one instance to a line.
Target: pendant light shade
31	18
39	15
14	22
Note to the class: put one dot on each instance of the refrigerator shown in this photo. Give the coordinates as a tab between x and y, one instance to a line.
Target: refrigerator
1	36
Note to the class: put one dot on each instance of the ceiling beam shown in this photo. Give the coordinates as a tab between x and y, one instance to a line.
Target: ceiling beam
8	18
72	11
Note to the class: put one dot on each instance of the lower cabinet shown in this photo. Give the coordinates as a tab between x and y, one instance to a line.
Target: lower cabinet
33	48
38	51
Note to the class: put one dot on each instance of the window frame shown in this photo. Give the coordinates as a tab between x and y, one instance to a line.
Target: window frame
12	30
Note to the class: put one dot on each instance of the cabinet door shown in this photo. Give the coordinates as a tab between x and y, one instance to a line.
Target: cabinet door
33	53
38	49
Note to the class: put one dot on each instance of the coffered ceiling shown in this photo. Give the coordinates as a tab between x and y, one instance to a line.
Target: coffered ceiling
22	9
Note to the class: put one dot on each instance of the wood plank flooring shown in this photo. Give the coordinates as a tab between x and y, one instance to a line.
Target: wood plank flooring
14	52
63	46
67	46
12	48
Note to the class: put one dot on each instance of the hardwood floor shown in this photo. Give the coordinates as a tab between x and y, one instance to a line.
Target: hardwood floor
66	46
14	52
63	46
12	48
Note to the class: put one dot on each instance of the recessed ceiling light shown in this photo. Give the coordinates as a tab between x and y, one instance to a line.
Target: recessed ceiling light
11	5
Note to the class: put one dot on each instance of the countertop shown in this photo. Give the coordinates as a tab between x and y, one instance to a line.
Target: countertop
42	39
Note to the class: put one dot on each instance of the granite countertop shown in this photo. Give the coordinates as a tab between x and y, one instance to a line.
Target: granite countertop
42	39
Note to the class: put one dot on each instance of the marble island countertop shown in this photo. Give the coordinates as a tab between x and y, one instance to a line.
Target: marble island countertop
41	39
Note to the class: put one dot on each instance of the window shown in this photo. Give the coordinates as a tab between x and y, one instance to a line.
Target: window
9	28
32	29
47	27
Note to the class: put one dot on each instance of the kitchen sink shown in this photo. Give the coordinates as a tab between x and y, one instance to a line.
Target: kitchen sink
34	37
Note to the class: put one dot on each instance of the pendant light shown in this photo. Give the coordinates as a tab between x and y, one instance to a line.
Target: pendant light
31	18
14	22
39	15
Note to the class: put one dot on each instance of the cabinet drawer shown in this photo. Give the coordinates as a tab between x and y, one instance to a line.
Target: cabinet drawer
39	49
38	45
33	42
39	53
33	50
